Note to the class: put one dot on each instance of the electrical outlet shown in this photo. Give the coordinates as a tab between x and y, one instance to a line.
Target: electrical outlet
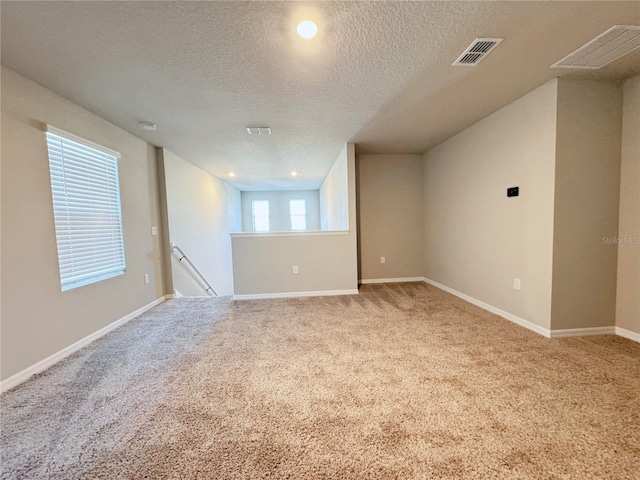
383	260
516	284
146	278
154	230
295	269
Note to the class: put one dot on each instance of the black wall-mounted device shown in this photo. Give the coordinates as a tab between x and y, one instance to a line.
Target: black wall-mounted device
513	192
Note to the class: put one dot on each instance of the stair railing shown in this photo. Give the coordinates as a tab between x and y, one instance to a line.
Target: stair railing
183	256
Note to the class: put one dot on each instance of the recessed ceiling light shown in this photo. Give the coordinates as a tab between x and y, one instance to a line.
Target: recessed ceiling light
307	29
231	174
148	126
294	173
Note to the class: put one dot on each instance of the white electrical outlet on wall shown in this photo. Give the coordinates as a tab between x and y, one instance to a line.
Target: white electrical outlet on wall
295	269
516	284
146	278
383	260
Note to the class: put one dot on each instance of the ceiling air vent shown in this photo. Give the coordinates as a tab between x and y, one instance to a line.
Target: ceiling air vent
258	130
605	48
478	49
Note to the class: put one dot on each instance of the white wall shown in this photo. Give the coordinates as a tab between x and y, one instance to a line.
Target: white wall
38	319
628	287
334	200
391	216
327	261
476	239
279	220
202	210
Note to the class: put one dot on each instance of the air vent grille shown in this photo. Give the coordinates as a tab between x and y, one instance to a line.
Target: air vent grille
482	46
259	130
475	52
604	49
470	58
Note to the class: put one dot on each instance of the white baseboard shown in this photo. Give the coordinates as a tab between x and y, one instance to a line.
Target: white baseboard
366	281
569	332
490	308
42	365
582	332
623	332
320	293
177	294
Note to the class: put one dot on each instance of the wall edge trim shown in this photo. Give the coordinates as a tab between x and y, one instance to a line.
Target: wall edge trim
300	233
629	334
42	365
366	281
582	332
318	293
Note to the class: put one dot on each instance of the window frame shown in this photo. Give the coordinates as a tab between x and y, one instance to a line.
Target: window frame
291	215
267	216
87	209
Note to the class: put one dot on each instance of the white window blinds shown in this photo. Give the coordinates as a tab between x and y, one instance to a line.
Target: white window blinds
86	207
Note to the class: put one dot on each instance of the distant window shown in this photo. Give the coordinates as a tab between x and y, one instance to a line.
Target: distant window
298	214
86	208
260	212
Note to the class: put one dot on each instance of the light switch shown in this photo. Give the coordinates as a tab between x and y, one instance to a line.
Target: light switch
154	230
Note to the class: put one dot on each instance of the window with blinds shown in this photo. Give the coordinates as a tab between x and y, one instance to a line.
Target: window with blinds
86	208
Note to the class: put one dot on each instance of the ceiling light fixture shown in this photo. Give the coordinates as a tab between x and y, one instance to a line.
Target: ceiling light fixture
231	174
294	173
307	29
148	126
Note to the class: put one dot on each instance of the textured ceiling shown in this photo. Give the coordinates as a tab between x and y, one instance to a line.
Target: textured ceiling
378	73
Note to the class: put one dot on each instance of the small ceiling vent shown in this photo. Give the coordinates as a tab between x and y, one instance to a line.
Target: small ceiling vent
605	48
478	49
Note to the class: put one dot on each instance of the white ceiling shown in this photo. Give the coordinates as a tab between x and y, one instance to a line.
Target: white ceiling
378	73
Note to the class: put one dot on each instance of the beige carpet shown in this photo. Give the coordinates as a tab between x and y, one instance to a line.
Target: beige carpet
401	381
